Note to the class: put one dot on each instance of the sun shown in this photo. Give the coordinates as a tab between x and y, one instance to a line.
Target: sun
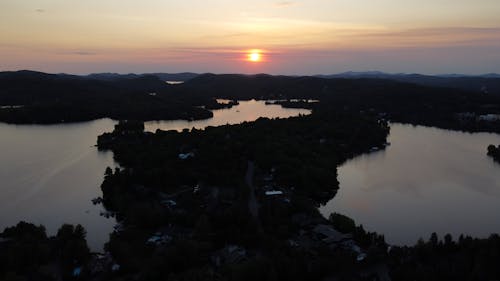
254	56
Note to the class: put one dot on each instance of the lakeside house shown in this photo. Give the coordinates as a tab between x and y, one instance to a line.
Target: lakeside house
273	192
329	235
184	156
472	117
169	203
77	271
489	117
334	239
100	263
159	239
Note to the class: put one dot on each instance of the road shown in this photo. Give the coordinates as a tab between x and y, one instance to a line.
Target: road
253	205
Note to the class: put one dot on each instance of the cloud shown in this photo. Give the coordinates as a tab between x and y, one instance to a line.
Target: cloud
285	3
40	10
436	37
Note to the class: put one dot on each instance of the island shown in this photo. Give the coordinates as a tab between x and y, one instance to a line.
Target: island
238	201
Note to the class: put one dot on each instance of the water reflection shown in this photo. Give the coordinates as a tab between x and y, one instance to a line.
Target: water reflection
49	175
427	180
245	111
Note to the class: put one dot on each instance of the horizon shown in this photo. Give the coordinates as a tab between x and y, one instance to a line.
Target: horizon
277	37
350	72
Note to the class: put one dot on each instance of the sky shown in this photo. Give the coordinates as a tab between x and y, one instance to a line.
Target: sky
292	37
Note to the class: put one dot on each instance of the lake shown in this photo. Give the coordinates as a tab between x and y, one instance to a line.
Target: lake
428	180
50	173
245	111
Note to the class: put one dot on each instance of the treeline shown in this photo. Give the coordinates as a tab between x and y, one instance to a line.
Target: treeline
487	83
465	259
494	152
27	253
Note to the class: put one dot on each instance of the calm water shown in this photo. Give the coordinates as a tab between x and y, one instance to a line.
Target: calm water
245	111
427	180
50	173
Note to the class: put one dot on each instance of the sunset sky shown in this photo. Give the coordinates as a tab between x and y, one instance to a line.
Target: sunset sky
293	37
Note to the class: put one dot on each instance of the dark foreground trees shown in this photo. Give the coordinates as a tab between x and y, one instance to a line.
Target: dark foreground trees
494	152
466	258
27	253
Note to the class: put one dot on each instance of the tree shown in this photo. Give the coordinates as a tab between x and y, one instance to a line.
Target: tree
343	223
108	172
448	240
65	233
434	240
80	232
72	244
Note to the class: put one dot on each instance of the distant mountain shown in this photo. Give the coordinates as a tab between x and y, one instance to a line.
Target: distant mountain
491	75
380	74
356	74
486	83
111	76
184	76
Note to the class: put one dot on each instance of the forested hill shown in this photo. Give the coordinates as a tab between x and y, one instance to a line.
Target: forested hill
184	76
394	100
488	83
34	97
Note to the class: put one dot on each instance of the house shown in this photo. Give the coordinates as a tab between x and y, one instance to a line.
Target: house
184	156
466	116
361	257
169	203
293	243
159	239
273	192
115	267
100	263
334	239
119	228
350	245
489	117
329	235
77	271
